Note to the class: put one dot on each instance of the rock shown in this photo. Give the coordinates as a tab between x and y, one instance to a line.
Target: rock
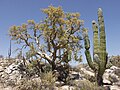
15	73
74	75
117	72
106	78
87	72
59	83
111	75
1	69
114	87
117	83
106	81
109	71
113	68
10	82
8	88
8	70
1	73
67	87
38	80
106	87
5	76
11	66
114	78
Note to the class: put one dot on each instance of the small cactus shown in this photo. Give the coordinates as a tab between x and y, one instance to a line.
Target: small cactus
98	64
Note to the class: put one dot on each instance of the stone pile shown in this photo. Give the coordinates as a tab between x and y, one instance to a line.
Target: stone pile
10	75
9	72
112	76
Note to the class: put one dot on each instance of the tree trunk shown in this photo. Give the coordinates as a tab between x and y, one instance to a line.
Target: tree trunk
99	80
53	66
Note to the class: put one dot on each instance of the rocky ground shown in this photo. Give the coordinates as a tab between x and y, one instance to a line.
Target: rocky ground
10	76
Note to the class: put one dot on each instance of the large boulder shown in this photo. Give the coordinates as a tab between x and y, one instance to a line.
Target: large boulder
87	72
111	75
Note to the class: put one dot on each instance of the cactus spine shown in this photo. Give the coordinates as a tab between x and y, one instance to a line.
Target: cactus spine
98	64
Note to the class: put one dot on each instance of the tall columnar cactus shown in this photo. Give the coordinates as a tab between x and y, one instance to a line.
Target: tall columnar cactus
9	51
98	64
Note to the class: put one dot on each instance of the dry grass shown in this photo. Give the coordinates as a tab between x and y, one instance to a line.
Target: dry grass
86	85
46	81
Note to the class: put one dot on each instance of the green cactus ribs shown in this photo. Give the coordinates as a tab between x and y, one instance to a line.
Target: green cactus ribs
98	64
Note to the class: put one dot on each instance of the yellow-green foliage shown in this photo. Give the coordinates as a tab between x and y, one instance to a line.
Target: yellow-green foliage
58	32
32	64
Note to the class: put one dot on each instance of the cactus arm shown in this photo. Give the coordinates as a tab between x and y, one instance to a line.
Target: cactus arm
87	47
102	42
96	57
89	59
86	41
102	35
95	38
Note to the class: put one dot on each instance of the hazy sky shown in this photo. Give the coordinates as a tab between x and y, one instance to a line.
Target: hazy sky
16	12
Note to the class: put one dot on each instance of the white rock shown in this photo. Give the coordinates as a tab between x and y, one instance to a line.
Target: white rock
87	72
1	73
113	67
66	87
8	70
8	88
5	76
114	78
117	83
114	88
1	69
13	66
57	83
15	72
106	81
106	76
108	71
38	80
73	72
15	75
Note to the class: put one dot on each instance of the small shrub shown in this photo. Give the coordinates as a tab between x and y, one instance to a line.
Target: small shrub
117	72
45	82
47	68
115	60
32	84
48	80
86	85
90	78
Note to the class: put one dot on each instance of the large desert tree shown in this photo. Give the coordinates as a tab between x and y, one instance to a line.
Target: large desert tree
56	39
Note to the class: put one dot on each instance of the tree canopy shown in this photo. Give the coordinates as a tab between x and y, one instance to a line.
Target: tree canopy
56	39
